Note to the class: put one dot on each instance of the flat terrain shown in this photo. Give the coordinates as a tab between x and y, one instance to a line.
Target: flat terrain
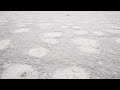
88	40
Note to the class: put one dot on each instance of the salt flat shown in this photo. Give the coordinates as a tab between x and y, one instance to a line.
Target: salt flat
35	45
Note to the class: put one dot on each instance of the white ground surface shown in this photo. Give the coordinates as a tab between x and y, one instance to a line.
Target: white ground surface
40	45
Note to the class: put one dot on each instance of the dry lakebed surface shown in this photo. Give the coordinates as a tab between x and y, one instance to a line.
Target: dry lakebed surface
59	45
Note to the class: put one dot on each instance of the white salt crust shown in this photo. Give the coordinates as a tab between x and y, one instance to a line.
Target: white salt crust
85	42
38	52
19	71
113	31
71	72
90	50
53	34
52	41
21	30
99	33
4	43
118	40
80	32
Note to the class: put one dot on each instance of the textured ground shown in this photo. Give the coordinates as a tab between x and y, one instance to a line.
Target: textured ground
60	44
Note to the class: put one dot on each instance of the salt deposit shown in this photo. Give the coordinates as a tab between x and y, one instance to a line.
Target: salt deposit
85	42
19	71
4	43
72	72
53	34
38	52
21	30
51	41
